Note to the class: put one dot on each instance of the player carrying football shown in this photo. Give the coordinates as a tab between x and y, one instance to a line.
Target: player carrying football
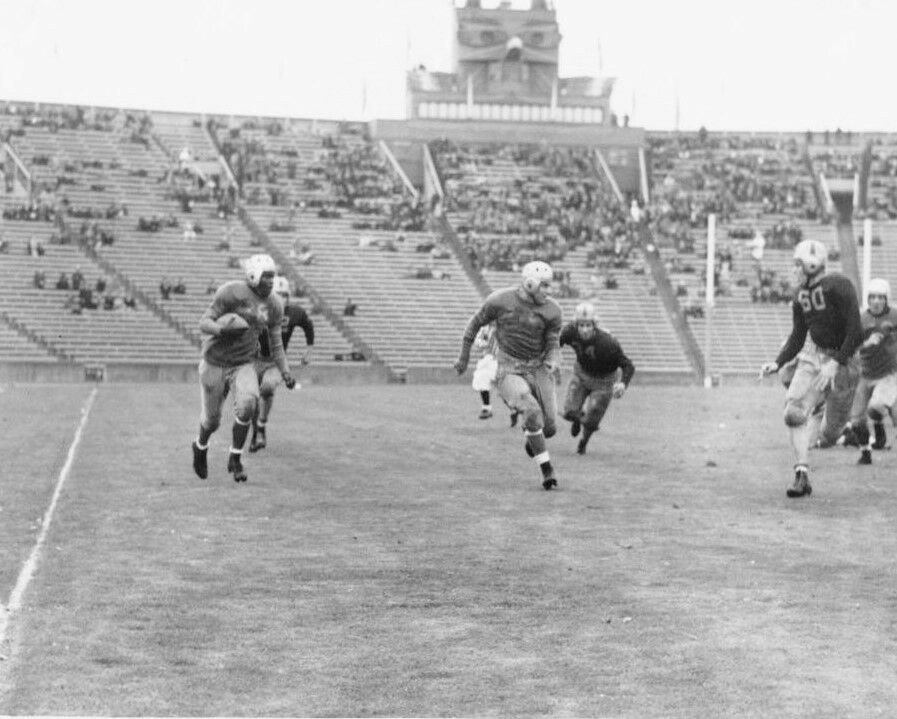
825	306
602	371
268	372
876	392
228	357
527	327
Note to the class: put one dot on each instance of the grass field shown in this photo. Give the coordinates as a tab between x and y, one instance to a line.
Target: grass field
393	555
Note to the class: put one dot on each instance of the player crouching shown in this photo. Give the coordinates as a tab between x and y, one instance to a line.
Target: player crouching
595	375
238	313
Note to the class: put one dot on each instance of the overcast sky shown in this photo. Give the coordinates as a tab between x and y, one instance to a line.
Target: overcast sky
745	65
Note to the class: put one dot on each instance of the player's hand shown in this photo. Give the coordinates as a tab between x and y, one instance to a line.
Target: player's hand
461	365
619	389
826	376
768	368
289	380
874	339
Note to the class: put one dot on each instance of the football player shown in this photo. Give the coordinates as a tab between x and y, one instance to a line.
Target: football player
876	392
228	358
825	307
484	373
602	371
268	373
527	327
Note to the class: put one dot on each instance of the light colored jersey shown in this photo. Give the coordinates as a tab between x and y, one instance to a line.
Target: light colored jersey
231	350
879	360
523	329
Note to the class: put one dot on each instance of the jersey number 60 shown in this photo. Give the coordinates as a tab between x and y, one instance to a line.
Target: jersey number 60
811	299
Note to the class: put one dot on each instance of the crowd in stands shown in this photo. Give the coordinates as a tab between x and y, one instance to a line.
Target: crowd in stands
539	204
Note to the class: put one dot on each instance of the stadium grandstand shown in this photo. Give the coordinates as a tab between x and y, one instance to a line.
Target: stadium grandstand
413	222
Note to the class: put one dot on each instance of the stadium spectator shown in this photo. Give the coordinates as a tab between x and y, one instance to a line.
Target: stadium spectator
39	281
350	308
165	288
77	279
180	287
63	282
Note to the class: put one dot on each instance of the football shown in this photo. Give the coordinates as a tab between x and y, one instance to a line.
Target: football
232	322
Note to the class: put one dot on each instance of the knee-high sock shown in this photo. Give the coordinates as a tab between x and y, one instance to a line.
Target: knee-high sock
239	432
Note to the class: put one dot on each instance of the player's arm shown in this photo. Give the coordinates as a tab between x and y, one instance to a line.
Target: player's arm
568	334
627	369
486	314
552	343
220	305
853	330
793	344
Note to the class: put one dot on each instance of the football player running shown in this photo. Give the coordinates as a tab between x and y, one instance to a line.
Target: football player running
228	358
876	393
527	327
268	373
825	307
602	371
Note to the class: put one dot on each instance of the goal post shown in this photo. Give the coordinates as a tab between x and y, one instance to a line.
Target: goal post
709	294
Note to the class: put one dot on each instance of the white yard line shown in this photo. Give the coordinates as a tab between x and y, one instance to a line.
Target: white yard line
30	565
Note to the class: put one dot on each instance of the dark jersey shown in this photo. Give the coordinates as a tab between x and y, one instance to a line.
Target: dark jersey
829	311
600	355
293	316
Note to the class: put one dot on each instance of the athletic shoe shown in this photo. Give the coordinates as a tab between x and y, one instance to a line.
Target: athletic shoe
881	438
235	465
514	416
575	426
865	457
801	484
581	446
485	413
259	439
549	481
200	465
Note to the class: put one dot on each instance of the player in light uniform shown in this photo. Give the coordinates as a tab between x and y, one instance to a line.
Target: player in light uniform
602	371
876	393
228	358
268	372
825	307
486	369
527	327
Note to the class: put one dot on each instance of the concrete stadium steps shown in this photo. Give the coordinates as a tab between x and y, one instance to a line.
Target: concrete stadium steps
408	322
146	257
118	153
743	336
94	335
15	347
636	318
179	131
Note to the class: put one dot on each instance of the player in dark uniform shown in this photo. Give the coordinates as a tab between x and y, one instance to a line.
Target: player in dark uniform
293	316
602	371
825	307
876	393
228	358
527	327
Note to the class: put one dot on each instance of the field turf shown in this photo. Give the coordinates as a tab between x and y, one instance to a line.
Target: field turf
393	555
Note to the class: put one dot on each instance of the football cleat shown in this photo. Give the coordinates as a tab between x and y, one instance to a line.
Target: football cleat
259	440
549	481
865	456
801	484
485	413
575	426
235	465
200	465
881	438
